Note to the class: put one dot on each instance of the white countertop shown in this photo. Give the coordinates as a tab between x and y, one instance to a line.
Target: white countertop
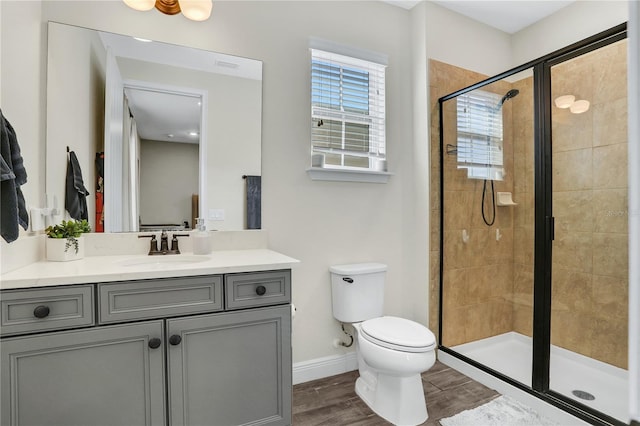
93	269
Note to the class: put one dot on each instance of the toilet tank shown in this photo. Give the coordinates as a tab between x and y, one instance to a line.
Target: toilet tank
357	291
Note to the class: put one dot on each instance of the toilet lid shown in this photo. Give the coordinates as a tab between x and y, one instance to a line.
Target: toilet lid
398	333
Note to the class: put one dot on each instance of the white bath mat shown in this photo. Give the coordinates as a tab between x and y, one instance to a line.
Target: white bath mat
502	411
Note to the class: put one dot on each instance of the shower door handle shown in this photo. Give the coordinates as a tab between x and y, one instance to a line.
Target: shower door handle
551	223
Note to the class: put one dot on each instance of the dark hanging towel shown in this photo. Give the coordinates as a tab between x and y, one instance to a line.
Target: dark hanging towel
13	212
99	192
75	199
254	201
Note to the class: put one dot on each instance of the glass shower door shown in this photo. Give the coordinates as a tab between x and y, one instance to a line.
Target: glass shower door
488	225
589	315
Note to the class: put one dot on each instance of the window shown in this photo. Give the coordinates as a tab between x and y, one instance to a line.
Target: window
480	135
347	111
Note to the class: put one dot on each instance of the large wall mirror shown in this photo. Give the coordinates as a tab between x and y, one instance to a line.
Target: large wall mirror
175	129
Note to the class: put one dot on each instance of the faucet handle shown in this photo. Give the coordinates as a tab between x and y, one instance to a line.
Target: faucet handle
153	244
174	242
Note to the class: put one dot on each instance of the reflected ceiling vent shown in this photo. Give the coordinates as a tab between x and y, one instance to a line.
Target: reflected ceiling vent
226	64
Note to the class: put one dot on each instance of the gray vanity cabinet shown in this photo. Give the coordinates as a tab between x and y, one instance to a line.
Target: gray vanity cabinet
98	376
210	350
230	369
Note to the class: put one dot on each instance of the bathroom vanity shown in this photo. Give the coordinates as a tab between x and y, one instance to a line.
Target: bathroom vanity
207	343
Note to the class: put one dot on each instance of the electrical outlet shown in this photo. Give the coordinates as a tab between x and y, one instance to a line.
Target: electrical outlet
216	214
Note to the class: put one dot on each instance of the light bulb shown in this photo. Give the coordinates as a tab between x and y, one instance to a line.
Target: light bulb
141	5
580	106
196	10
564	101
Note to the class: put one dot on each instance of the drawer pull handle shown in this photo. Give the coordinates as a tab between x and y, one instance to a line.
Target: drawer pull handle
260	290
41	311
175	339
155	343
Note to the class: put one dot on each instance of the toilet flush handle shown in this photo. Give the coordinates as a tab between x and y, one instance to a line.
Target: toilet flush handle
347	279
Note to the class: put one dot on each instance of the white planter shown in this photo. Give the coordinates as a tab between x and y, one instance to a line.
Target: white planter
56	250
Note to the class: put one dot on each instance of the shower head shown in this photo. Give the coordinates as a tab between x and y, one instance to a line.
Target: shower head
510	94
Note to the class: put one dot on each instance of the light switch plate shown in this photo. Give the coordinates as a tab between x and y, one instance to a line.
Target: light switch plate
216	214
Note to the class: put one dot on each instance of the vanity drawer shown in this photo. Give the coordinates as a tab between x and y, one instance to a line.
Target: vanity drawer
132	300
257	289
29	311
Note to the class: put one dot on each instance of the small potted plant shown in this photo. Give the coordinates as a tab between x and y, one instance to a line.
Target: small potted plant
65	240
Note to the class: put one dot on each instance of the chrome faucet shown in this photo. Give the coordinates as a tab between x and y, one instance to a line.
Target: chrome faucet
164	243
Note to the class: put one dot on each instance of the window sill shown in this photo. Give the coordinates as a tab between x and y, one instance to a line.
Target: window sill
348	175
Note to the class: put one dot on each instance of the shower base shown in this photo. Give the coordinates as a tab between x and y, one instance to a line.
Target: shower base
600	386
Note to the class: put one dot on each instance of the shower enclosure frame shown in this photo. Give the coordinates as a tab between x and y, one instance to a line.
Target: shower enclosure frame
543	224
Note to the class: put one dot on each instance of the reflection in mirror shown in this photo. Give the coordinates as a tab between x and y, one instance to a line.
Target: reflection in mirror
163	143
101	85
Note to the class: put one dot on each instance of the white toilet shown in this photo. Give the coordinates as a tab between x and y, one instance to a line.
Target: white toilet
392	352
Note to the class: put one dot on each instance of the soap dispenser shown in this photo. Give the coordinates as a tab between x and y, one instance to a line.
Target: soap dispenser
201	241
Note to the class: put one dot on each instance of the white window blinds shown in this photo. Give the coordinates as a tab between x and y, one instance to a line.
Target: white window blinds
479	120
347	110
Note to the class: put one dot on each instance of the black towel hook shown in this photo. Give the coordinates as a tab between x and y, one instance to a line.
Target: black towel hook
67	148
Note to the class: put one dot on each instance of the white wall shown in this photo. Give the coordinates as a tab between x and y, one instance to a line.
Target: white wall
325	223
417	223
168	178
463	42
570	24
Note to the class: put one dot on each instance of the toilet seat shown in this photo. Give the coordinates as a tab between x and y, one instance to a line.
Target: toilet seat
399	334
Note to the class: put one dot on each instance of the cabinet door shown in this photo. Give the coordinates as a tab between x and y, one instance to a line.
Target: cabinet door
231	369
102	376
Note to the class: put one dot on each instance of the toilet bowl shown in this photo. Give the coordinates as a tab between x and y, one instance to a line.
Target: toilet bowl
396	345
390	382
392	352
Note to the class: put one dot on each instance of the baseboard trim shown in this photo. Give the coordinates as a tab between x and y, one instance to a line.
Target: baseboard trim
320	368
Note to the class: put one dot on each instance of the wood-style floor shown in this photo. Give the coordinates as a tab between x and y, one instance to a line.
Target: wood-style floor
332	401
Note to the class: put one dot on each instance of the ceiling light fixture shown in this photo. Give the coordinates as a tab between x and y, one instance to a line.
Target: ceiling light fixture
578	107
196	10
569	101
564	101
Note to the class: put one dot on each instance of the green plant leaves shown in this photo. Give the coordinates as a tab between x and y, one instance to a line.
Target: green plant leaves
70	230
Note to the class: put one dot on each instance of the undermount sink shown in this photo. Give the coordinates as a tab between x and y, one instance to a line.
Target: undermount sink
159	260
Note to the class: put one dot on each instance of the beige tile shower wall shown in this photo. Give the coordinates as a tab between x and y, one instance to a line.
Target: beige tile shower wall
478	275
590	251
